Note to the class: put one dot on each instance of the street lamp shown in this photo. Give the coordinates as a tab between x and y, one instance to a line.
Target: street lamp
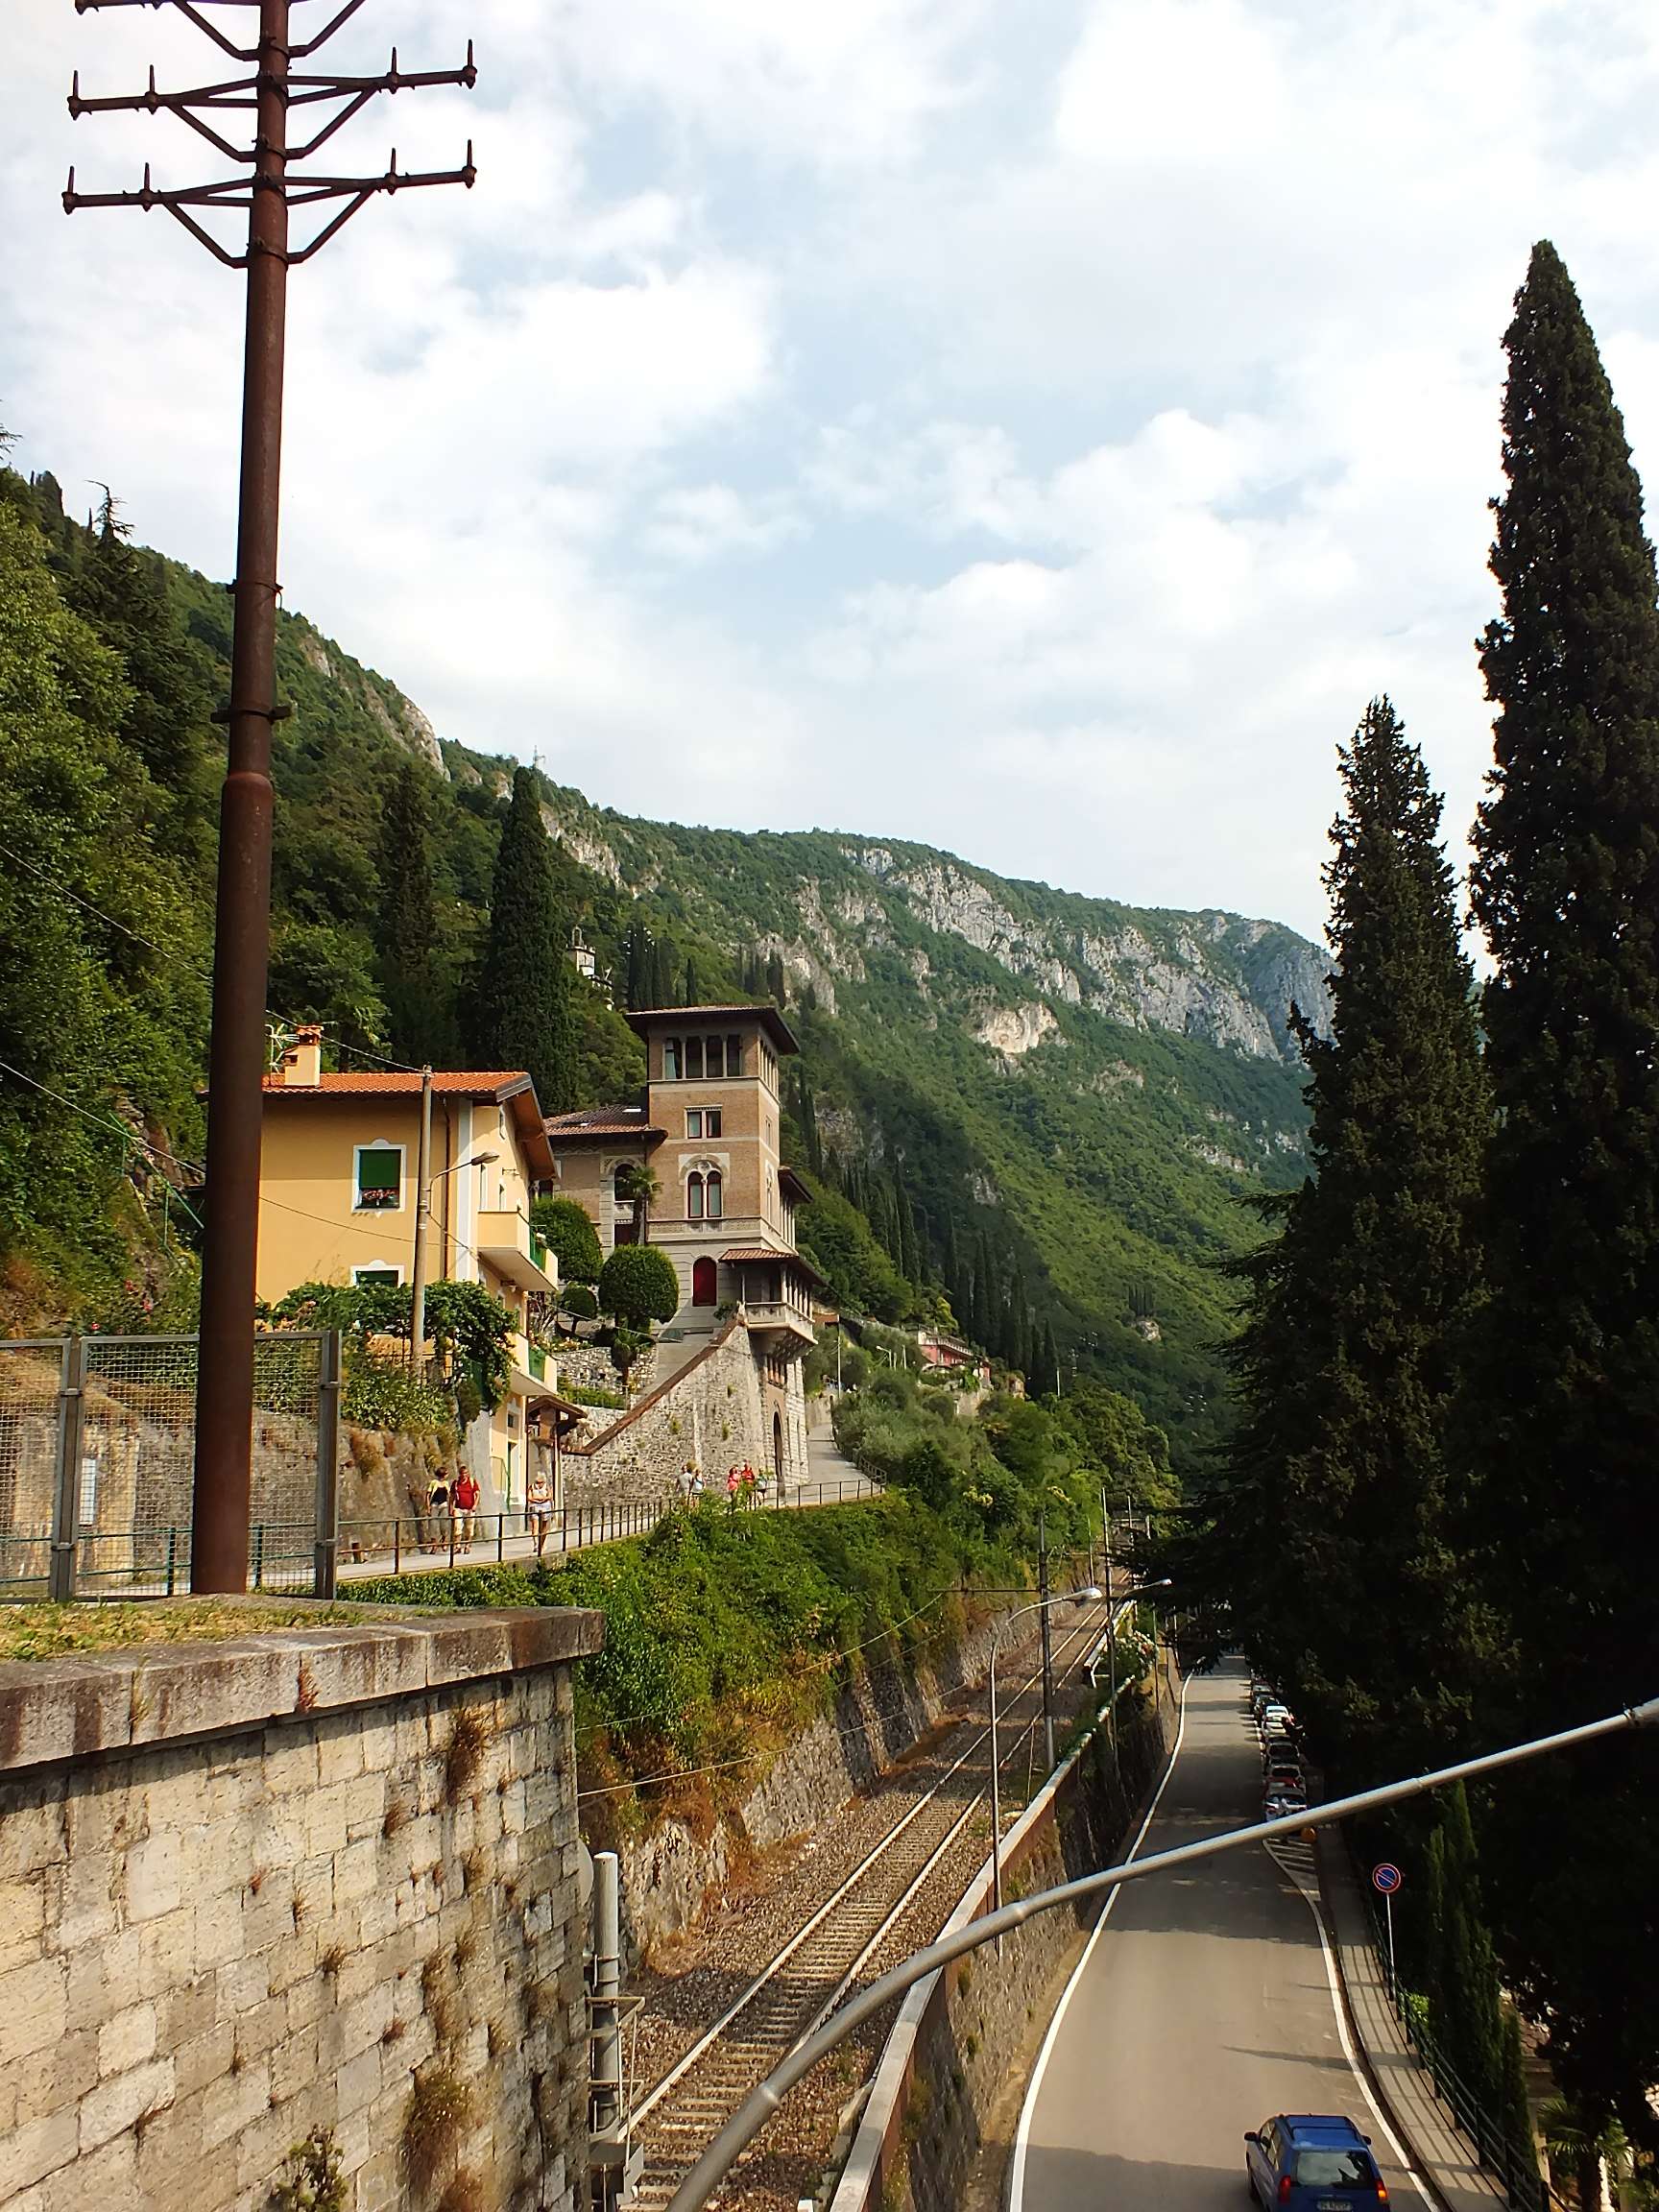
1130	1596
1087	1596
422	1211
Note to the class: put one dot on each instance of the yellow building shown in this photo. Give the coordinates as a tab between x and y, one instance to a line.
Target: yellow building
338	1204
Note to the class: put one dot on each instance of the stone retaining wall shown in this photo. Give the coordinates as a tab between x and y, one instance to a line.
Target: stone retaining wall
670	1875
711	1412
325	1878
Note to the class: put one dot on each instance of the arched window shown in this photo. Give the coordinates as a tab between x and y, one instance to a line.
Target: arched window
712	1184
694	1196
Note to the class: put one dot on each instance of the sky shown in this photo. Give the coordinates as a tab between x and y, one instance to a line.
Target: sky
1036	430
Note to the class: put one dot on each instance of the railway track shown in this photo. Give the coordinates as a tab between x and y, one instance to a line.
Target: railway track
838	1945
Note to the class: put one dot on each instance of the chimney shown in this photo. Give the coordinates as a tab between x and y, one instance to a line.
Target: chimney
301	1066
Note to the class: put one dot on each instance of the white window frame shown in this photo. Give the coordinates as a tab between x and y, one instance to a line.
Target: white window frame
376	1267
693	1122
379	1144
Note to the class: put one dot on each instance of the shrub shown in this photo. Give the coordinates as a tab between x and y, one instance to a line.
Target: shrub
564	1228
637	1285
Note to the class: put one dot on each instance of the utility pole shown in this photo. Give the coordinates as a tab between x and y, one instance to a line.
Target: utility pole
1048	1644
422	1197
268	189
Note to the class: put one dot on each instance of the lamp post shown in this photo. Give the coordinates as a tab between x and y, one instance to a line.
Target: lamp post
1086	1595
418	1286
1129	1599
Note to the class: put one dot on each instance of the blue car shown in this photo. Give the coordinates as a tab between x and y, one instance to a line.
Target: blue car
1312	2162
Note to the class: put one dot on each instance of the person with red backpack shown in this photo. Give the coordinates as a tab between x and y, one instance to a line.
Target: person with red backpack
465	1498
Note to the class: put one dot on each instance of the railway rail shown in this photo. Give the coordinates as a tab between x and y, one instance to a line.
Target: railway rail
911	1873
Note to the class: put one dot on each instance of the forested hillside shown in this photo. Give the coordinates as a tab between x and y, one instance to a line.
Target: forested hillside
1034	1114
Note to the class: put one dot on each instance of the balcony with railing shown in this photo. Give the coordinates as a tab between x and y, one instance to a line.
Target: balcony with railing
506	1240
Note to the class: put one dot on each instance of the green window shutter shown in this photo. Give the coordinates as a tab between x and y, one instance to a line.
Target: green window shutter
380	1176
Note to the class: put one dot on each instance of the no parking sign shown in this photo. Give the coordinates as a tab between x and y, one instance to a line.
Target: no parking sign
1388	1878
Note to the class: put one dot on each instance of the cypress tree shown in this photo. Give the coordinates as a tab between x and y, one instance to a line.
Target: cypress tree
662	974
406	927
984	1304
522	1009
691	998
777	985
1345	1369
638	966
1051	1358
1561	1414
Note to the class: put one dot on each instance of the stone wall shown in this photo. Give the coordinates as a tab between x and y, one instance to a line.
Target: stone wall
325	1878
960	2034
712	1410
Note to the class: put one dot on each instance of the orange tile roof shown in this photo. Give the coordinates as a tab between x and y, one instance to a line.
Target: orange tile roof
506	1086
742	1253
352	1084
602	1122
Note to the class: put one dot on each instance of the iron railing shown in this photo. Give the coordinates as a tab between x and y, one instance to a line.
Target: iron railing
422	1543
1513	2163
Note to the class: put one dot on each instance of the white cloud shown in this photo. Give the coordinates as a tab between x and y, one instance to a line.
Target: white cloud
1038	431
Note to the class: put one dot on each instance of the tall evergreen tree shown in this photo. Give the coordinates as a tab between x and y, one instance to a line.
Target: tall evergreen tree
638	986
406	927
777	983
1050	1377
521	1010
691	998
1567	890
984	1296
1345	1368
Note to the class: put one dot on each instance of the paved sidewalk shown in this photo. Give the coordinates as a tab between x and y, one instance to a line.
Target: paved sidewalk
1440	2151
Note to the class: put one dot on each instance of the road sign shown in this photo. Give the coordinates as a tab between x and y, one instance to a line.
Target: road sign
1386	1877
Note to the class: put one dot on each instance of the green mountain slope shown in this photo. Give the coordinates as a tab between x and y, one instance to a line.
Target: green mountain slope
1067	1097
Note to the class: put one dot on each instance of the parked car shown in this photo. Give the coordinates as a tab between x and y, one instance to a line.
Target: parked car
1262	1695
1312	2162
1276	1715
1278	1752
1279	1804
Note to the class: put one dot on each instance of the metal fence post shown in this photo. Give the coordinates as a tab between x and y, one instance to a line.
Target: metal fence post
172	1558
327	1543
66	1500
259	1556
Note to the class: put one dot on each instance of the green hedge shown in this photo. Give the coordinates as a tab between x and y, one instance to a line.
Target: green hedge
725	1632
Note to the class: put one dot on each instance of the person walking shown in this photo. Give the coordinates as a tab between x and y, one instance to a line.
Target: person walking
464	1498
437	1509
538	1497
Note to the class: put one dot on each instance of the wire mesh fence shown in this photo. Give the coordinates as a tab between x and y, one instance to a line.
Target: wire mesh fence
97	1463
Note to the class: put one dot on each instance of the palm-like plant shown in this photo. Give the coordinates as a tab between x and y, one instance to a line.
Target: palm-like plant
639	1185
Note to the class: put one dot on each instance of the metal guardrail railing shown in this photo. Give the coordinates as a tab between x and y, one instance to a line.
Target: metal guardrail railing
422	1543
1514	2164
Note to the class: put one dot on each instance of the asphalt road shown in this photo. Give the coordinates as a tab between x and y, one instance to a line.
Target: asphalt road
1203	2006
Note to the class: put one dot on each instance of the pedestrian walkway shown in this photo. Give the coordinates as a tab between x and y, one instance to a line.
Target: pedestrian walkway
1444	2157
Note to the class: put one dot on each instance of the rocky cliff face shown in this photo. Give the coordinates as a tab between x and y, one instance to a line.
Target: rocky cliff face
1219	979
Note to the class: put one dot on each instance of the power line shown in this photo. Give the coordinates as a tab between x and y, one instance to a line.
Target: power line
120	1128
138	937
178	959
